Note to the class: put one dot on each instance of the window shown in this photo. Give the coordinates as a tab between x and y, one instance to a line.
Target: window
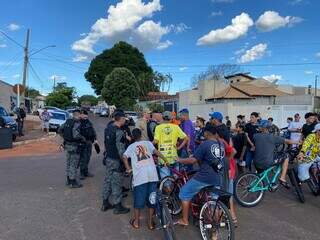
58	116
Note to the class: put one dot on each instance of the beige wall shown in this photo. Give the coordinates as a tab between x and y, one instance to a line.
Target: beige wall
5	93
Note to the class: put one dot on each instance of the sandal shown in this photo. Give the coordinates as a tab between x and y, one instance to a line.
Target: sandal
180	223
235	222
284	184
132	223
151	226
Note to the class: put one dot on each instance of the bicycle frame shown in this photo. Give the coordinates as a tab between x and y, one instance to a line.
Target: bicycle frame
264	177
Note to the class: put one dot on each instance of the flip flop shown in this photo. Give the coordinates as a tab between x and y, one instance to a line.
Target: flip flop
132	223
284	184
179	223
235	222
152	226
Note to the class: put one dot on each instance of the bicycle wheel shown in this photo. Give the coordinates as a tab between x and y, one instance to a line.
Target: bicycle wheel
313	185
216	222
294	181
170	188
243	192
167	224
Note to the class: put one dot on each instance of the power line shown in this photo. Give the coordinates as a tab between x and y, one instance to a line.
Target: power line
11	39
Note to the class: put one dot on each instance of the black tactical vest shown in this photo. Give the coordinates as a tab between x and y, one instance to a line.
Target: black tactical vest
110	141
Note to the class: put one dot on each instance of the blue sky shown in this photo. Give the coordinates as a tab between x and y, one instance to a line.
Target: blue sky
177	37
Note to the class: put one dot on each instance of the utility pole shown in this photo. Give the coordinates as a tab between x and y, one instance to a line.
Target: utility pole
26	62
54	82
316	86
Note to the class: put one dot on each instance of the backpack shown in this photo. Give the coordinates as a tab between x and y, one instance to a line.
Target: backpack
22	113
68	131
150	131
87	130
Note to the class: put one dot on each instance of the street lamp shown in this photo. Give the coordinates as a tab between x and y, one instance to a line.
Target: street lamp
41	49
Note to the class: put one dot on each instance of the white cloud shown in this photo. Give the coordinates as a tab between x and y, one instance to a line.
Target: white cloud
122	23
308	72
296	2
3	45
13	27
148	36
16	76
83	34
238	28
80	58
222	1
181	69
58	78
271	20
164	45
318	54
273	78
256	52
215	14
179	28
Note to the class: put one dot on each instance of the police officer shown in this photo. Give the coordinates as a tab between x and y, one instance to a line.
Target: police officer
70	131
90	135
115	147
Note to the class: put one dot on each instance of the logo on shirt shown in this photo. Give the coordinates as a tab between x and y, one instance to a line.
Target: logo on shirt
142	153
167	130
217	151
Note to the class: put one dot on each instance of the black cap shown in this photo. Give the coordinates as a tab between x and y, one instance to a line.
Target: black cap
118	114
210	128
85	112
76	111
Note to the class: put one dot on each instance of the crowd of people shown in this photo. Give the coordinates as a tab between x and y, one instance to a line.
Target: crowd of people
217	149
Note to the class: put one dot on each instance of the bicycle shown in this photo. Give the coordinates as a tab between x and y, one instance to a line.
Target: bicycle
163	215
208	207
171	186
314	183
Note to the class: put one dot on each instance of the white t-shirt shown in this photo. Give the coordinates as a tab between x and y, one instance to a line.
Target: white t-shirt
143	166
295	136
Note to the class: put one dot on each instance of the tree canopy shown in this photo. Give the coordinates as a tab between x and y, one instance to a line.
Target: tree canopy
32	93
62	96
123	55
119	89
88	99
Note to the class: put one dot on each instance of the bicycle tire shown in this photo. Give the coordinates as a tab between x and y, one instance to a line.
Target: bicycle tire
312	184
227	224
167	223
239	198
173	202
295	184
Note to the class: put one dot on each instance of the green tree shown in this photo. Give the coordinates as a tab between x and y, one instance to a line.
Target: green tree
121	54
32	93
62	96
155	107
88	99
120	89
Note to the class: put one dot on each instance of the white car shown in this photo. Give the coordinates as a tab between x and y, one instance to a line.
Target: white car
57	119
133	115
40	110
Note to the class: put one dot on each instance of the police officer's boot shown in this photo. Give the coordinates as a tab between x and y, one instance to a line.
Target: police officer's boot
67	181
82	175
106	205
119	209
74	184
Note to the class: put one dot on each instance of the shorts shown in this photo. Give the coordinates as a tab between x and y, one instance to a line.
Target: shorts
45	125
141	195
191	188
303	171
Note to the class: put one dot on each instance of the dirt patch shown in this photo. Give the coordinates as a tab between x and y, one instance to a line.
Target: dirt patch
40	148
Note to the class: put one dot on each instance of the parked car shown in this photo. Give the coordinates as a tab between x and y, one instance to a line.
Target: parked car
132	115
40	110
104	112
97	111
10	122
57	119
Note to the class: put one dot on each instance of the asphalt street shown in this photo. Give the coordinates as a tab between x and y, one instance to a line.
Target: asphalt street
36	205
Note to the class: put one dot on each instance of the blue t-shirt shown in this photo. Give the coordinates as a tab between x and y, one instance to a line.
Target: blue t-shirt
208	152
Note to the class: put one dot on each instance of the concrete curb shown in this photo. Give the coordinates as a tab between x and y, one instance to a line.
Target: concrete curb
34	140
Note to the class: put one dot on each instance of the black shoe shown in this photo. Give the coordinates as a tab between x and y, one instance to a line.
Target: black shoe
119	209
82	176
74	184
89	175
124	195
68	181
125	189
106	206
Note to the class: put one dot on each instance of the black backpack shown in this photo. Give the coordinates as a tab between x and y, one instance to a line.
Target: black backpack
150	131
68	131
87	130
22	113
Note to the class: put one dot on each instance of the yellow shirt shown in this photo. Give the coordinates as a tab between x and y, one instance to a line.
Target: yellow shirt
167	135
311	148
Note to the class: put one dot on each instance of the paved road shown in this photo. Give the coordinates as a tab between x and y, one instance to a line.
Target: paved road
35	205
